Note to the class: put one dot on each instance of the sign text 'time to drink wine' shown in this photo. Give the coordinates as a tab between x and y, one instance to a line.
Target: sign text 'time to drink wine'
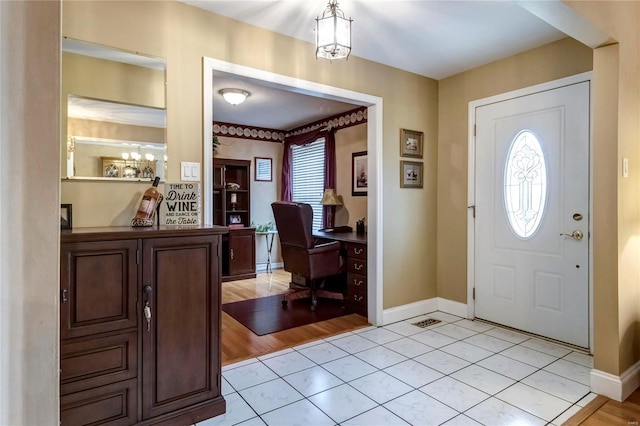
181	204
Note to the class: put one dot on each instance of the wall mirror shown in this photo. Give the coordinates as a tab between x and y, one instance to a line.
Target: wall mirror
114	114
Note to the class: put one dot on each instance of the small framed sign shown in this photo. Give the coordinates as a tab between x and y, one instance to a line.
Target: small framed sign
263	169
181	204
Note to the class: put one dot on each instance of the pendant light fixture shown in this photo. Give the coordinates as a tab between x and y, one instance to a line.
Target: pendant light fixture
333	33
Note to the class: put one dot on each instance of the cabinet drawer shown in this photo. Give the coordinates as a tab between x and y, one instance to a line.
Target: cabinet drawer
114	404
356	250
356	266
96	362
357	297
357	282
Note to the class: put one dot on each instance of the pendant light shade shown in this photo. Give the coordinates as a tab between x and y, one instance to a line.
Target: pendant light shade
333	33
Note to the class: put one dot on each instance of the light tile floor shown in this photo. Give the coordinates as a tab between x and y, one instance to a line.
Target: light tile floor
456	372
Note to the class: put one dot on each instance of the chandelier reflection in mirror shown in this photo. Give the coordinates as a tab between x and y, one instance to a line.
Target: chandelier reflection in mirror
136	167
333	33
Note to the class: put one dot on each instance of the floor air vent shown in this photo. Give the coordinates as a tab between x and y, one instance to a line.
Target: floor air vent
426	323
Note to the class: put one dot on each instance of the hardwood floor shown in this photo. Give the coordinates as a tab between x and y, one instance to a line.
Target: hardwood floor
603	411
239	343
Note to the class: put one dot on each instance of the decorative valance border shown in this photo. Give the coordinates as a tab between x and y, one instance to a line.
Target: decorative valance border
336	122
248	132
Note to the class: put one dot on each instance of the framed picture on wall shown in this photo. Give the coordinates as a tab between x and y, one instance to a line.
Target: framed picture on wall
65	216
411	143
359	178
262	169
411	173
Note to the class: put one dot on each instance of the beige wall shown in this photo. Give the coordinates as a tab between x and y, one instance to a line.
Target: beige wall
183	35
621	20
560	59
30	206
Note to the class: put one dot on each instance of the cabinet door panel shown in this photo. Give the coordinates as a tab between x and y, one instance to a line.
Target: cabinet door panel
181	349
98	281
242	252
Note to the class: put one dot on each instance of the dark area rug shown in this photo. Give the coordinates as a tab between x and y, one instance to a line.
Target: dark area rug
266	314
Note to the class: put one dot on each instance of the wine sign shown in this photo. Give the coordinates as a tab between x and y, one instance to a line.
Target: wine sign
181	204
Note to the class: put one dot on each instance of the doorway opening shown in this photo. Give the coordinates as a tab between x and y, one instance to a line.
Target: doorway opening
374	148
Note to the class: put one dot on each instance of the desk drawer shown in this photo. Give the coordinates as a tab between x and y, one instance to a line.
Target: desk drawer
357	282
356	266
356	250
357	298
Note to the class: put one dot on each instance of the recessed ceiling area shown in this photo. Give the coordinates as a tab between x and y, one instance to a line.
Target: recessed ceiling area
269	105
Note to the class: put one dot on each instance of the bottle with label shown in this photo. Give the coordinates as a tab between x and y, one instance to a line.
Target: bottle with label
149	201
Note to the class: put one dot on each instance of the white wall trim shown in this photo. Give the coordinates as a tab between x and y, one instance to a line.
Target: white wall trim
453	307
410	310
422	307
616	387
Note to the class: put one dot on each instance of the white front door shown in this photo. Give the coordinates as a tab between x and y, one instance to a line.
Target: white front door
532	213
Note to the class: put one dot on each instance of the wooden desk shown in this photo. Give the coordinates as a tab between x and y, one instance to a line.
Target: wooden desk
355	250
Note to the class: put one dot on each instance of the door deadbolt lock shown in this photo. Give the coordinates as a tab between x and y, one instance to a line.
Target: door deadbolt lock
577	216
576	235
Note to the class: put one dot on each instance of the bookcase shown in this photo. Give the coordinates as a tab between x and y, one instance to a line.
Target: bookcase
232	208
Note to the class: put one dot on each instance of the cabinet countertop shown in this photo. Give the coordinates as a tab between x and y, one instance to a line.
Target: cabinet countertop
123	232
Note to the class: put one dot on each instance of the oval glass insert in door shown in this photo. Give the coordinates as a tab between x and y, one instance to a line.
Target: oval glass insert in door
525	185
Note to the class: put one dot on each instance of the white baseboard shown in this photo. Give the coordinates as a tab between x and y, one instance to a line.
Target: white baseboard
262	267
401	313
616	387
453	308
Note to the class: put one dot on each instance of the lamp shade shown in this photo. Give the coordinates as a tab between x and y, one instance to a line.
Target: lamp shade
330	198
234	96
333	33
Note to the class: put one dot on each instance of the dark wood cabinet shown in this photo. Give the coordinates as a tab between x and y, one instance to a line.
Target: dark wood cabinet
116	367
232	208
239	261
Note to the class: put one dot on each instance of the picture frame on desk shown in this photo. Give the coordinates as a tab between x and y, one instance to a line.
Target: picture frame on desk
235	219
359	177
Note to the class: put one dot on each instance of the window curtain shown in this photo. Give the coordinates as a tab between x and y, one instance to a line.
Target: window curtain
329	161
303	139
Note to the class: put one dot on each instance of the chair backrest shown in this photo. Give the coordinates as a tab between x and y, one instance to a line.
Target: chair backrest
294	222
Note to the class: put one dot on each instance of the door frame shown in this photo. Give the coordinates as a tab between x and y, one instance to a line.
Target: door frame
374	106
551	85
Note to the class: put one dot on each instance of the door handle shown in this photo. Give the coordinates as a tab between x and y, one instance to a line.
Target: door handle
576	235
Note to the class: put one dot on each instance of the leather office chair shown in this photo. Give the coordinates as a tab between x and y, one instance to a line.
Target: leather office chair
302	255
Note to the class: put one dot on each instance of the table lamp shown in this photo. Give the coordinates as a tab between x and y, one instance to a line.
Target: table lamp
330	198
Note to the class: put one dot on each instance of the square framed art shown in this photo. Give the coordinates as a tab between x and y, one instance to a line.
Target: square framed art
411	173
411	143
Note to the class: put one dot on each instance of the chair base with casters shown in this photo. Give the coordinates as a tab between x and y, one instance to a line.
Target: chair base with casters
303	255
297	291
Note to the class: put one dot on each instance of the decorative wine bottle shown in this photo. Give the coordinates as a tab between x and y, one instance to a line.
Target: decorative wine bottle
147	208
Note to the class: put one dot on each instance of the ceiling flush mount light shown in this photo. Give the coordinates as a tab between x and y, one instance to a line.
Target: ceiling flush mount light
234	96
333	33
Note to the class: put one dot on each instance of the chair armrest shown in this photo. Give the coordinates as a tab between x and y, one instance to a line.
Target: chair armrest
324	248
